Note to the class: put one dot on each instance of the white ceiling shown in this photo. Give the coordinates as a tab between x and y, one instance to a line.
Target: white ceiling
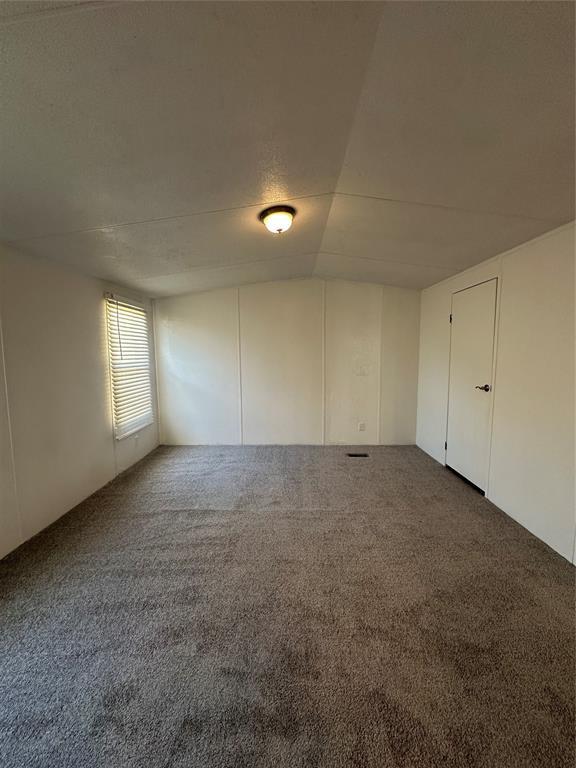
140	140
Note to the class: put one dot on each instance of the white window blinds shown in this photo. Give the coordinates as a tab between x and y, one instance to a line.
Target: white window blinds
129	355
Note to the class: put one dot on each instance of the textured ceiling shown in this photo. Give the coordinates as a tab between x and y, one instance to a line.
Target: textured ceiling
10	9
139	141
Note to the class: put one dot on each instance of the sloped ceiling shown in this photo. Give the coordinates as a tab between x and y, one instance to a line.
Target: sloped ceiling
139	141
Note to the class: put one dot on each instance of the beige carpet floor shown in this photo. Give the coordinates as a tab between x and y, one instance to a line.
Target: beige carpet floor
284	607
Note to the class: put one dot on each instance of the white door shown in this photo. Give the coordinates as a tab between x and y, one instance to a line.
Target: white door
470	393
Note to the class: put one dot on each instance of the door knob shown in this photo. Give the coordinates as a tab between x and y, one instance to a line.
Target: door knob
485	387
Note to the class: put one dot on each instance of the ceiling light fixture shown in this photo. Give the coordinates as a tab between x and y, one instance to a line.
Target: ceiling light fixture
278	218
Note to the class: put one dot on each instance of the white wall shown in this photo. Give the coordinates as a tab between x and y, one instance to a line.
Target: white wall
10	529
532	459
57	396
399	366
353	348
299	361
281	360
197	354
531	474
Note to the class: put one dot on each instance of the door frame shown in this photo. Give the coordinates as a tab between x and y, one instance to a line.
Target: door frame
497	278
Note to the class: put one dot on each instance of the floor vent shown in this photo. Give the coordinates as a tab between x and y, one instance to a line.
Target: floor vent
357	455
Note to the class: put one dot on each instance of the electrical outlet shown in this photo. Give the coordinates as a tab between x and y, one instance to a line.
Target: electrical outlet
361	426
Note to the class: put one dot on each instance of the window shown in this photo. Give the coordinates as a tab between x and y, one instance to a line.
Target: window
129	355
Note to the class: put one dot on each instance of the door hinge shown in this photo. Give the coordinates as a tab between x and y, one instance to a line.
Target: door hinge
450	316
445	446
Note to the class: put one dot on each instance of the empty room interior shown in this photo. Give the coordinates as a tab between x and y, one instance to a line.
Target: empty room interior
287	402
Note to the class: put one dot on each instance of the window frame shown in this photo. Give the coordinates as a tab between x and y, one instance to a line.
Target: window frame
144	376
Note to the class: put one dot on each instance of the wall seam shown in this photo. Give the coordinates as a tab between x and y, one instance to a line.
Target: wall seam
323	362
499	291
19	520
239	352
380	362
156	371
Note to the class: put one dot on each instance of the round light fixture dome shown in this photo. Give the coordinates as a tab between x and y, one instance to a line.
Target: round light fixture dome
278	218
